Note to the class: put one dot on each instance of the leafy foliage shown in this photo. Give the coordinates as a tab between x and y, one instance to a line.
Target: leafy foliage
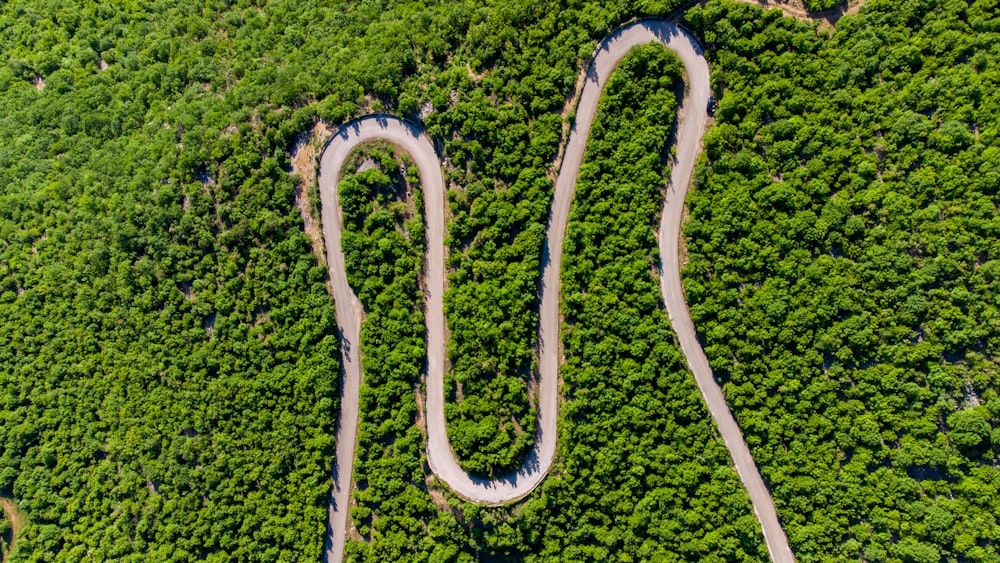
842	249
383	248
643	475
636	478
6	534
818	5
168	360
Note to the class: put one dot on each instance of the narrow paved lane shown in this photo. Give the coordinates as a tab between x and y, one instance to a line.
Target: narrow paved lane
348	309
440	456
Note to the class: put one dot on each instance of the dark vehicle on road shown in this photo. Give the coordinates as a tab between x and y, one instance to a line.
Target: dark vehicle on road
713	105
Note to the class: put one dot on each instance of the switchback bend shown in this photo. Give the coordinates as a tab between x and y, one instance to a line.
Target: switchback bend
414	141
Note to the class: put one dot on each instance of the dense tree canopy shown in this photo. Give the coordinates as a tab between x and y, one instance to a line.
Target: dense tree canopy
383	249
843	252
641	473
168	362
168	352
817	5
168	356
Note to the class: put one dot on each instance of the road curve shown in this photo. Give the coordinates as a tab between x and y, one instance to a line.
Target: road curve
440	456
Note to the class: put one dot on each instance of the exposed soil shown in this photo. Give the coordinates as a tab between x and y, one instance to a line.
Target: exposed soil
17	519
440	501
796	9
304	161
568	123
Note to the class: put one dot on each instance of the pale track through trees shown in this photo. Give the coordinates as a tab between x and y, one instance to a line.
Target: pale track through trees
441	458
17	521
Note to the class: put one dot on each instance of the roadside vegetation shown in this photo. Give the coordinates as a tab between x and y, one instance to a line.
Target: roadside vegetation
844	271
168	356
383	240
818	5
635	478
6	533
642	474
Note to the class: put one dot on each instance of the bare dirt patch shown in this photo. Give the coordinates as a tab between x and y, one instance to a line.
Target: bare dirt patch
17	520
304	159
568	116
439	500
797	9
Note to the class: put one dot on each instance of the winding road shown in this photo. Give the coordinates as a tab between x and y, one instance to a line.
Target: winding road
349	312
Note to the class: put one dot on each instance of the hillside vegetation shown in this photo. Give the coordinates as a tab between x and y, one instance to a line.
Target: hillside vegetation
817	5
168	352
844	271
6	533
636	478
168	361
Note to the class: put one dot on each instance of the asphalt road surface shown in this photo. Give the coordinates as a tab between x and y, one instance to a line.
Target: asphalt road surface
440	456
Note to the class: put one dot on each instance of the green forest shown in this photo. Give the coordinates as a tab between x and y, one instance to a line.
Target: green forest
383	249
843	271
169	362
674	496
